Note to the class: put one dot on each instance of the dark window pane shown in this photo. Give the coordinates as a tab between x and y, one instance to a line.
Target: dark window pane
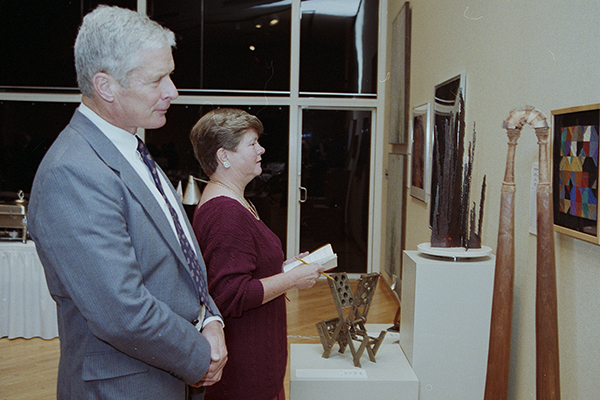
37	38
172	149
335	172
27	129
338	49
214	42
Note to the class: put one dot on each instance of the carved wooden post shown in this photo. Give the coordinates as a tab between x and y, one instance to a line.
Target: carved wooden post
496	386
546	318
547	360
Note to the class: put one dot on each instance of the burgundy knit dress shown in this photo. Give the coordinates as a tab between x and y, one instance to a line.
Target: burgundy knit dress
238	251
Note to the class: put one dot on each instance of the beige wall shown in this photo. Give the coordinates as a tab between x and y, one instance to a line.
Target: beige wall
544	53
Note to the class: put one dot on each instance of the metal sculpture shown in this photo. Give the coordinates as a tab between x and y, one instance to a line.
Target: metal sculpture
453	222
352	310
547	360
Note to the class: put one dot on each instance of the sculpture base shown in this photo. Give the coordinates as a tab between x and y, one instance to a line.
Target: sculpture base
454	252
315	378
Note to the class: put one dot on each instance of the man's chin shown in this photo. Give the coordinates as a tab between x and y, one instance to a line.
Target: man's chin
157	123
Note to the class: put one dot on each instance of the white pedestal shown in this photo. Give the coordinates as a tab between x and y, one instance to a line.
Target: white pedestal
445	324
313	377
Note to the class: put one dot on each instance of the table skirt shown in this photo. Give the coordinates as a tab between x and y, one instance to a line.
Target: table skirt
26	308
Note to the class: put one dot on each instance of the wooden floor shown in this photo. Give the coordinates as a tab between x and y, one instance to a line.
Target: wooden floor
28	367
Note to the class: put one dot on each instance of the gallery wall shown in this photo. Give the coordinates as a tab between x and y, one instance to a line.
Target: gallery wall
543	53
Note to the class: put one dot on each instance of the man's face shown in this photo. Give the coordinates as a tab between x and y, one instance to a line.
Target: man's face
144	103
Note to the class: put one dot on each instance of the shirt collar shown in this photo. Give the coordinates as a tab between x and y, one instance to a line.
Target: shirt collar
123	140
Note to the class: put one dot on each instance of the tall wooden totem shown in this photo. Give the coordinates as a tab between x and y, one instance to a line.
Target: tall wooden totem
546	319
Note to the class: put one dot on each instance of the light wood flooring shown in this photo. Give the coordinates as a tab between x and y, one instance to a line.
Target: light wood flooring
28	367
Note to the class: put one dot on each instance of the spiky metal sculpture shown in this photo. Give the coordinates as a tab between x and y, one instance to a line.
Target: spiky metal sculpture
453	224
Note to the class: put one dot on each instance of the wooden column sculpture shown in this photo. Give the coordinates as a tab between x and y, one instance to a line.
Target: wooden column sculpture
496	387
547	361
546	314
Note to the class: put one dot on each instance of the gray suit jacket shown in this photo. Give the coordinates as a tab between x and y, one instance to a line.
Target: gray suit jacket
124	293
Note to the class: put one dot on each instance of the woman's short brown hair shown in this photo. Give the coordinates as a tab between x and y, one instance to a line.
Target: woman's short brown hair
221	127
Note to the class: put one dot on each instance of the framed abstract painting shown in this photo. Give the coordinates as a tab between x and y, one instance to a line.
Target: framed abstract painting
575	171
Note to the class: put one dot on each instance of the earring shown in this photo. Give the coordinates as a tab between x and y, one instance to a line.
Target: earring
226	164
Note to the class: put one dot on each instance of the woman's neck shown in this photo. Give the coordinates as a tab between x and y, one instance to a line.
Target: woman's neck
230	182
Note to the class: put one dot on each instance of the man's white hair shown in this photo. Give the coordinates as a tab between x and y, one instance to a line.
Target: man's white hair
111	40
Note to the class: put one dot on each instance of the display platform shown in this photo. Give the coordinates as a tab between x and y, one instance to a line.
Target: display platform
445	324
313	377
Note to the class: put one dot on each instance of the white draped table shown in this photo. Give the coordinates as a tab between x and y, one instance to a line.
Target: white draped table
26	308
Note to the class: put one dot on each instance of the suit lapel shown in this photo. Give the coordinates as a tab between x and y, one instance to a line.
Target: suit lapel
113	158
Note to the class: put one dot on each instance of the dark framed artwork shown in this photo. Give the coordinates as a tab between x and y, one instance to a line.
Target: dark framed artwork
400	76
446	108
575	171
420	152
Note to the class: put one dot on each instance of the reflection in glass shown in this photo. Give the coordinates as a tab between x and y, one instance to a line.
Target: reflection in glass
228	45
171	147
24	140
335	172
338	46
38	38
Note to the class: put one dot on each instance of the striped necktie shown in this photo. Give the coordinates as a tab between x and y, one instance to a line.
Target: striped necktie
189	253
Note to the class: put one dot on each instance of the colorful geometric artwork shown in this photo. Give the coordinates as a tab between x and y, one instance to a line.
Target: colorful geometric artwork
578	171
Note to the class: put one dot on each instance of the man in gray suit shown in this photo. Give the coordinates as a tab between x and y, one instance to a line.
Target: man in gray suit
135	320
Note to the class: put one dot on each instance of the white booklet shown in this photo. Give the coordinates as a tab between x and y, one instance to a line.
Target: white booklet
323	255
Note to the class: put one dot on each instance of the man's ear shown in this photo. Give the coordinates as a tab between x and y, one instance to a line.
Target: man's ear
103	85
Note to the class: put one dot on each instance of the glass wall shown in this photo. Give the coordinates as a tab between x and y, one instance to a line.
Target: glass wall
338	46
27	129
229	53
229	45
336	148
242	48
37	38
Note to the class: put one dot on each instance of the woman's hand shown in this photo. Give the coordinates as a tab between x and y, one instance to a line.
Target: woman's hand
293	259
304	276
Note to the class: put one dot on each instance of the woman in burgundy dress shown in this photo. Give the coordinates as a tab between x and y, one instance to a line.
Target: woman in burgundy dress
244	259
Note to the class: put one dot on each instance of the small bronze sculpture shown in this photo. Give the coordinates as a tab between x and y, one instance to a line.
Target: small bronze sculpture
352	311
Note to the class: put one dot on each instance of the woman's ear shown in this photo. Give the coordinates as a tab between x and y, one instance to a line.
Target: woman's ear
103	85
222	155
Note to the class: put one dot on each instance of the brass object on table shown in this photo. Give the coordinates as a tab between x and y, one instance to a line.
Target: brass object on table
352	315
13	219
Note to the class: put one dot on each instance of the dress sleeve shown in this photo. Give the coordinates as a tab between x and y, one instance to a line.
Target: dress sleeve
226	237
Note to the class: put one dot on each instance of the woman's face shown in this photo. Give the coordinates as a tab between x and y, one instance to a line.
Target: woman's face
246	159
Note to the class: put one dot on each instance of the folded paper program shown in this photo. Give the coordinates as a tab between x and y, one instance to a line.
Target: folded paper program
323	255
